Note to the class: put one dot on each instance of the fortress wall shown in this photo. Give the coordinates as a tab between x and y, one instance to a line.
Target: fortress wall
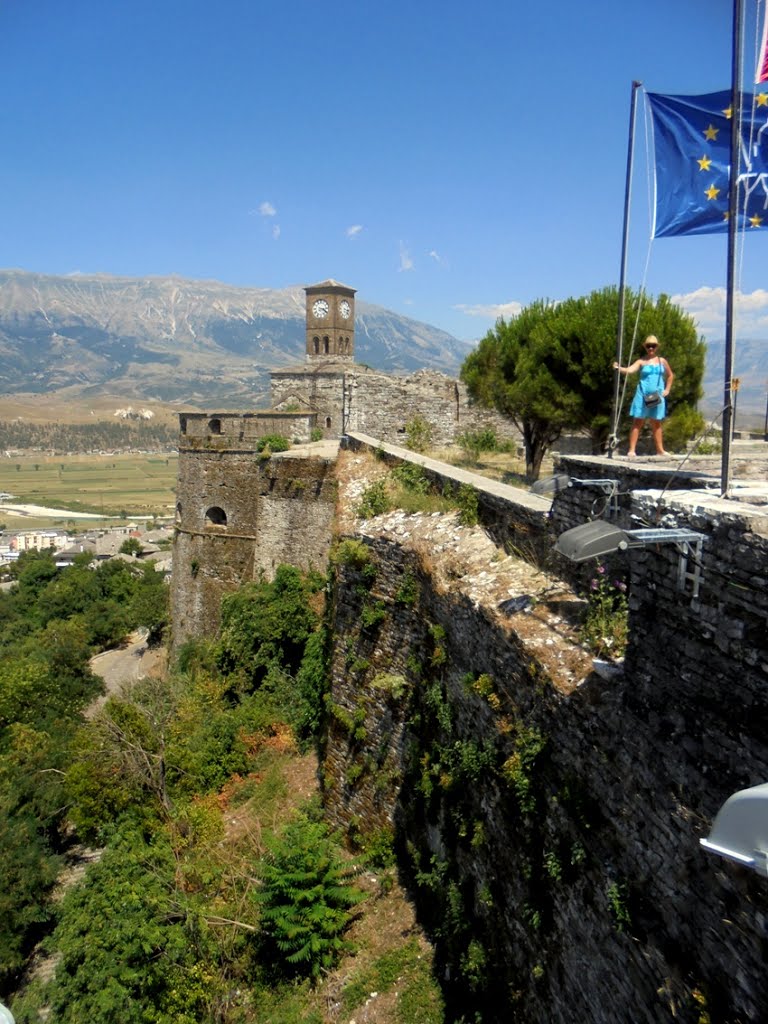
296	515
277	509
223	431
321	391
382	405
562	822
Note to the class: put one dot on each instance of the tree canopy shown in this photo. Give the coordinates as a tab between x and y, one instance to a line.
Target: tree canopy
550	368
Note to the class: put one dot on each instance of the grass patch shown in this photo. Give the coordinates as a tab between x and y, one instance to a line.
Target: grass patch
406	967
102	484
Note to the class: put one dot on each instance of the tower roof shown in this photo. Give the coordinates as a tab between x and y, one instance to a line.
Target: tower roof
328	284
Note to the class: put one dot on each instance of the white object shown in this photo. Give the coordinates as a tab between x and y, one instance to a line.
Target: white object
740	829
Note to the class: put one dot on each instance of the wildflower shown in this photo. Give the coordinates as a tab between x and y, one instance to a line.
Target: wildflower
601	569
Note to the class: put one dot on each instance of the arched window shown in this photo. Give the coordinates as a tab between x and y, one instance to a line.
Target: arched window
215	516
326	345
214	426
327	422
183	424
316	344
178	511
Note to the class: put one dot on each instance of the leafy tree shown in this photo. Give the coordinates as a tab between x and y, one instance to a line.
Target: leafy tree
27	872
131	546
150	605
266	624
306	900
127	940
549	369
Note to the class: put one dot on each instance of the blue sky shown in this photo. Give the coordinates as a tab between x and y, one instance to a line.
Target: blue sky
449	160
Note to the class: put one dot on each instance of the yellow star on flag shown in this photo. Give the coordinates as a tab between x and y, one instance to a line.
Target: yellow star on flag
712	192
704	163
755	221
728	112
761	100
710	133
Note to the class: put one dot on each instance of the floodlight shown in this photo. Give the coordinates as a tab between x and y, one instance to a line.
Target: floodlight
591	540
551	484
740	829
597	539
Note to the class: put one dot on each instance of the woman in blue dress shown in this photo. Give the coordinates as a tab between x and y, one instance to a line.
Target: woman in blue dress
655	378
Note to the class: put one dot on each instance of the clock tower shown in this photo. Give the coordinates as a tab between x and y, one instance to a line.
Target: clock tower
330	323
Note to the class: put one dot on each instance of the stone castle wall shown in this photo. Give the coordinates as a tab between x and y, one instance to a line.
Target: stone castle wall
317	388
548	818
357	399
238	516
222	431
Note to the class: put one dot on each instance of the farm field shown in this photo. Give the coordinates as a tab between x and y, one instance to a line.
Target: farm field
112	486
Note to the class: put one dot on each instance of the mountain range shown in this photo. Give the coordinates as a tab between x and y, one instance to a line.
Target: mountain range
180	341
169	339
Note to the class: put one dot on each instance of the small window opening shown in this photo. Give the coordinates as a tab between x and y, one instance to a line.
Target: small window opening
215	516
214	426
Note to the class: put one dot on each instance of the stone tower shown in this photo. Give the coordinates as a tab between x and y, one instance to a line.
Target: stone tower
330	322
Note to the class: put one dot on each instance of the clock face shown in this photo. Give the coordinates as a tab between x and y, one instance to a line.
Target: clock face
320	308
345	309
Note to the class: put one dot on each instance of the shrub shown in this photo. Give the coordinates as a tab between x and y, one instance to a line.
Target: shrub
605	627
393	684
411	477
467	503
306	900
273	442
353	553
473	442
374	501
316	434
680	426
419	434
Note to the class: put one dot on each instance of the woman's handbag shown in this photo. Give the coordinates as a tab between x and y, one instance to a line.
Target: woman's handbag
653	398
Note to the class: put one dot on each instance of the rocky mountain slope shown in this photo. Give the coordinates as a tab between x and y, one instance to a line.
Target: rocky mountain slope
172	339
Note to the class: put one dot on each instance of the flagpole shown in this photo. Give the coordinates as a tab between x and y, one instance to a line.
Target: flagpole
733	211
613	440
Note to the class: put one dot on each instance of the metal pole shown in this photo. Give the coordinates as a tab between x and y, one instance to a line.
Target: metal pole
613	440
733	212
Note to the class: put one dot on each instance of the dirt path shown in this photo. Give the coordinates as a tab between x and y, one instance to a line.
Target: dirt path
125	664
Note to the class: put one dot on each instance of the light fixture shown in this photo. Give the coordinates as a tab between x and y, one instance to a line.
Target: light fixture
740	829
561	482
597	539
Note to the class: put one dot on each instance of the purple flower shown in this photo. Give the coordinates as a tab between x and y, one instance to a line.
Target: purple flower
601	570
594	585
620	585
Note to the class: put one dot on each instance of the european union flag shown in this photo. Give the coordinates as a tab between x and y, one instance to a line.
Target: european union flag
692	140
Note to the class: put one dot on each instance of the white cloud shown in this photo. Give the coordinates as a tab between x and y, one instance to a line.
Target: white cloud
353	230
707	307
267	210
276	231
492	311
406	263
433	254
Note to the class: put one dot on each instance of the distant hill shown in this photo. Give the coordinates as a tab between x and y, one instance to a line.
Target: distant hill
168	339
751	367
